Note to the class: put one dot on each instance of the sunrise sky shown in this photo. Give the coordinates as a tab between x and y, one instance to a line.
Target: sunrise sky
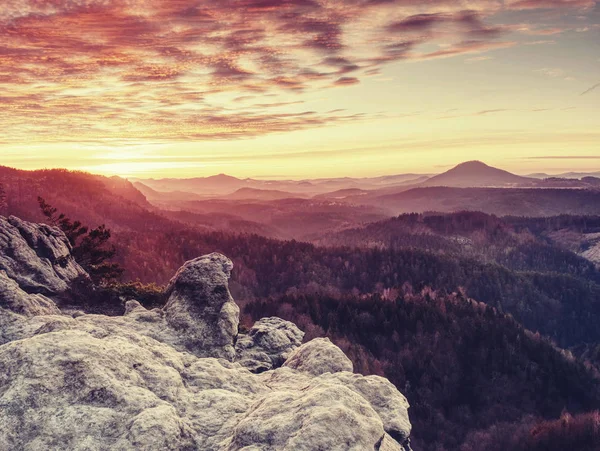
299	88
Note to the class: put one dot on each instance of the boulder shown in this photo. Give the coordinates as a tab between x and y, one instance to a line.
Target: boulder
323	416
37	257
319	356
268	344
386	400
200	306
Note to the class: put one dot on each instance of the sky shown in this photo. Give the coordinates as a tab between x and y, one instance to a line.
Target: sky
299	88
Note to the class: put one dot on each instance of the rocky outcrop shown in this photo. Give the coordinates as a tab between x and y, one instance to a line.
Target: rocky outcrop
268	344
182	378
37	257
201	307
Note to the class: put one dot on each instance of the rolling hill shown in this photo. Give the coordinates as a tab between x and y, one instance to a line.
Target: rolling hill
498	201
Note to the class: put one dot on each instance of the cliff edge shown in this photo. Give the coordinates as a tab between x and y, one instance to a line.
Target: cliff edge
176	378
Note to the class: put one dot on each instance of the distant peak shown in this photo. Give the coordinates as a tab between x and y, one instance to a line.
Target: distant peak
472	164
476	173
222	177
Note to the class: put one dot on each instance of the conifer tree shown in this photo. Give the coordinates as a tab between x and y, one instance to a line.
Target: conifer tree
91	248
3	201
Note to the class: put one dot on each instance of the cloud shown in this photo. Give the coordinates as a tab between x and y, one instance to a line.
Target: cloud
550	4
346	81
553	72
591	89
173	69
543	42
477	59
485	112
468	22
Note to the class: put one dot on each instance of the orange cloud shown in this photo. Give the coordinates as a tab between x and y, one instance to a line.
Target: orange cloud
94	69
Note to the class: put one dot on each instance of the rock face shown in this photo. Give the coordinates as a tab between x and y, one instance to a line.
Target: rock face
164	380
37	257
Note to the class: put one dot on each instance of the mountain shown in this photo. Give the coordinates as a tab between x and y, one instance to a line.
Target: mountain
562	244
477	174
566	175
293	218
204	186
212	222
90	198
441	315
223	185
498	201
342	194
470	174
164	198
261	194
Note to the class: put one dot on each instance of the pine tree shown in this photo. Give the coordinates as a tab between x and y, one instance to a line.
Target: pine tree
3	201
91	248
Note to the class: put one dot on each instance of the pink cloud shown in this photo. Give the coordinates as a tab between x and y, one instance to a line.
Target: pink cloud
78	69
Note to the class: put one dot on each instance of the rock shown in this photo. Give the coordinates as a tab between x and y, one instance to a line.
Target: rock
37	257
13	298
71	387
319	356
268	344
322	416
164	379
131	306
386	400
11	325
200	306
389	444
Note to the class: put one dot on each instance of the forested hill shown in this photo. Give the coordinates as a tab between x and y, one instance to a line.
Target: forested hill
564	306
546	287
92	199
549	244
467	370
95	200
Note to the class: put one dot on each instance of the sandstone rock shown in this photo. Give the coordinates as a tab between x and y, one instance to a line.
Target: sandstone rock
319	356
201	307
13	298
67	388
389	444
37	257
268	344
11	326
322	416
386	400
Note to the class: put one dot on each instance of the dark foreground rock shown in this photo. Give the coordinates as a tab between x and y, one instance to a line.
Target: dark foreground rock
182	378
